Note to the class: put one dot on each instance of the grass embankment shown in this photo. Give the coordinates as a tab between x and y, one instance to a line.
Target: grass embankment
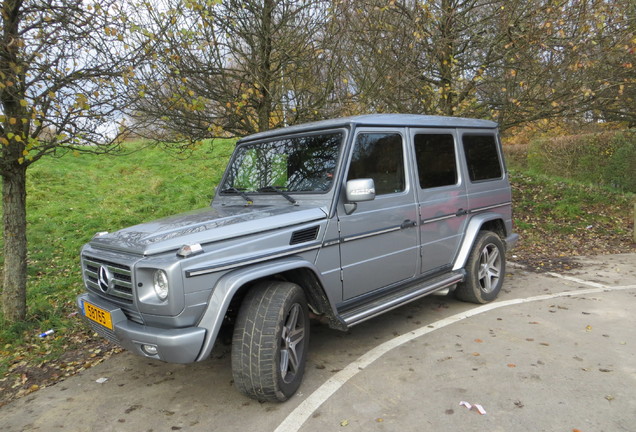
68	200
71	198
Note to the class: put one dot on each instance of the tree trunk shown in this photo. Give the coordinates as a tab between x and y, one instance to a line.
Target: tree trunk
15	244
265	67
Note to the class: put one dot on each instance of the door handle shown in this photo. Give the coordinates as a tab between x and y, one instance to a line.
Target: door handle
408	224
461	212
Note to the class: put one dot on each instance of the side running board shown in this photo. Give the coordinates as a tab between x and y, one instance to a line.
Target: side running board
400	297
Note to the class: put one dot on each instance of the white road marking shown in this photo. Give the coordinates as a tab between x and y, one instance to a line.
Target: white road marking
294	421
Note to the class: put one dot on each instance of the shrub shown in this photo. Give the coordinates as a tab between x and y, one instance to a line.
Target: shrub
607	158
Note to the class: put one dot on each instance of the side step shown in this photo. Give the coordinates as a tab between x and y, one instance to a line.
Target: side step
400	297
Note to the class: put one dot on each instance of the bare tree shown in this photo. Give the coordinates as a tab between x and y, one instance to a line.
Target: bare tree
513	61
234	67
64	65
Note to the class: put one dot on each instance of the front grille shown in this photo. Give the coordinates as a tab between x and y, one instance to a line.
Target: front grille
121	285
118	291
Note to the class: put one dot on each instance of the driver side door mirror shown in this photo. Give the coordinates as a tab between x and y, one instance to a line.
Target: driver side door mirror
359	190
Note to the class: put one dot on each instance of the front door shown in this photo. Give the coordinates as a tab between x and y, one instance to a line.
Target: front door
379	240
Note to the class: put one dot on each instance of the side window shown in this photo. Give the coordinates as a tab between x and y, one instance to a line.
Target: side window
482	157
379	156
436	161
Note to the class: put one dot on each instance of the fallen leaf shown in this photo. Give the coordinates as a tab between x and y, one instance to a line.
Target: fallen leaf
478	340
344	423
512	365
588	328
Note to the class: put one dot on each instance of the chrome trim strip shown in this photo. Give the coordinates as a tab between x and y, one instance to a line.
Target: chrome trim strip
110	266
248	261
452	215
371	234
479	209
113	292
437	219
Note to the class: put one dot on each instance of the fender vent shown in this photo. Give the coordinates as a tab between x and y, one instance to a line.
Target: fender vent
305	235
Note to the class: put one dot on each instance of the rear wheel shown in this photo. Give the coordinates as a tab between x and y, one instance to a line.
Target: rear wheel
270	341
485	270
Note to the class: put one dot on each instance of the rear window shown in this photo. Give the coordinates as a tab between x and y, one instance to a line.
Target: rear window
436	162
482	157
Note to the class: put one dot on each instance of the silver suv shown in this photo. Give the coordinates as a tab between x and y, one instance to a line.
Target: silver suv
342	219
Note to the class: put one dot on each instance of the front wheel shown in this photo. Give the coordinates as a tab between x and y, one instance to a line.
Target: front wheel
270	341
485	270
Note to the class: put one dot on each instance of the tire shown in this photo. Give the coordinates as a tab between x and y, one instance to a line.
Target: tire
270	341
485	270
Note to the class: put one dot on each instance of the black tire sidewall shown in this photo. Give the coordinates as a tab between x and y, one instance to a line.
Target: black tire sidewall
257	340
483	240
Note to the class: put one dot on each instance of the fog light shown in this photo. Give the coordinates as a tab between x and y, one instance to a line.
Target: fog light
150	350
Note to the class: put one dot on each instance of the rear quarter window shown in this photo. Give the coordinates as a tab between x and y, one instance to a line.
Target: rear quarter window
482	158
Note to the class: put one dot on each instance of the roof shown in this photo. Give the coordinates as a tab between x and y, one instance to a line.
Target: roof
388	120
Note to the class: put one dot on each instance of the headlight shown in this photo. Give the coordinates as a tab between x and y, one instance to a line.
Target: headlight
160	284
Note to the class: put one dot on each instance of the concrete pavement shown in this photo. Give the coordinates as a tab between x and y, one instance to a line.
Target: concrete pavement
555	352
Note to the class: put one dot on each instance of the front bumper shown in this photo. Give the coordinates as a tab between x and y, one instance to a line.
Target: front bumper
180	345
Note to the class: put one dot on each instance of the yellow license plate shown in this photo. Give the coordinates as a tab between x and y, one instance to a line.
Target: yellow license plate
98	315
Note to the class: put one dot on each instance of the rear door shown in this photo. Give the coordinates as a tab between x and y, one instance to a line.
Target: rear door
379	241
488	187
441	191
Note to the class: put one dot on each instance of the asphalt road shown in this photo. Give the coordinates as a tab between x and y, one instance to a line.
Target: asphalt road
555	352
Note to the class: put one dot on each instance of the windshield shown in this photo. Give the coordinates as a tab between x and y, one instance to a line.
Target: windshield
291	164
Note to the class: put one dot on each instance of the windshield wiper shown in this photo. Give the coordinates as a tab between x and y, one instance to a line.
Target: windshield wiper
238	192
278	191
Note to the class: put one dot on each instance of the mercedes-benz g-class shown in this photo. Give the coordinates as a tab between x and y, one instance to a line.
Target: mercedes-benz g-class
343	219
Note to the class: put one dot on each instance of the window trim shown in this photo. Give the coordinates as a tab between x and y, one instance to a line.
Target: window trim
458	171
405	156
494	135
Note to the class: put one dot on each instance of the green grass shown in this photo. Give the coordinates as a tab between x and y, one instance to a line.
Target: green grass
558	217
71	198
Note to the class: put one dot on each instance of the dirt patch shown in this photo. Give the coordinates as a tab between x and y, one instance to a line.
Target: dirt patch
29	373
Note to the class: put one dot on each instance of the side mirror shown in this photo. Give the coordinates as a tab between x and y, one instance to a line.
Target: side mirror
359	190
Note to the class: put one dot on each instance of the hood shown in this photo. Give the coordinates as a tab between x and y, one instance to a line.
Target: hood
204	226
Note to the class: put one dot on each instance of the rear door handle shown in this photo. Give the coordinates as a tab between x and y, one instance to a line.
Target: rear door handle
408	224
461	212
